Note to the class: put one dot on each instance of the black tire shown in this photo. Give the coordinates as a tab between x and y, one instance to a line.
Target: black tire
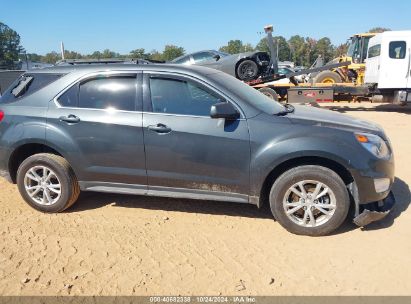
247	70
327	77
323	175
385	98
270	93
69	187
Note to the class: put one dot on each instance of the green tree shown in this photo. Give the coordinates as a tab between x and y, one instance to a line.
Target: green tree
309	51
9	46
30	56
171	52
34	57
324	48
232	47
284	52
51	57
72	55
378	29
247	48
297	49
341	50
94	55
109	54
236	46
139	53
155	55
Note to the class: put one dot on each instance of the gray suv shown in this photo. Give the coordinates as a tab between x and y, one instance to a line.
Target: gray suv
189	132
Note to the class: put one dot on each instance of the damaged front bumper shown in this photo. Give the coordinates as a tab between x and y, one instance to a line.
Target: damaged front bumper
375	211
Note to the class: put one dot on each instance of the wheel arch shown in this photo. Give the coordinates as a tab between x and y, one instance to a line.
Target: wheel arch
331	164
25	150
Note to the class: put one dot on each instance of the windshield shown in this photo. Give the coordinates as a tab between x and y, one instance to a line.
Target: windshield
353	47
248	94
222	54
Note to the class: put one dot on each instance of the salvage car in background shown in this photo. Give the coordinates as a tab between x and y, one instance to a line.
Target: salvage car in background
244	66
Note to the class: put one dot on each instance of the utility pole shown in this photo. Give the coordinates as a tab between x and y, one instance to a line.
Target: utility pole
277	47
273	53
62	50
27	60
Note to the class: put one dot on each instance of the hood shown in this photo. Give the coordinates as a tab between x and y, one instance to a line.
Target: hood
326	118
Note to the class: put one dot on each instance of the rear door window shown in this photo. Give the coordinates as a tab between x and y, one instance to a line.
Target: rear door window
28	84
117	92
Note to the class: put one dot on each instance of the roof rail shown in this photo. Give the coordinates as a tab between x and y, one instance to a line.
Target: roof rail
105	61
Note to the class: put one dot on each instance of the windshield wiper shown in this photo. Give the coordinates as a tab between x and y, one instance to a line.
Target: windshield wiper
288	109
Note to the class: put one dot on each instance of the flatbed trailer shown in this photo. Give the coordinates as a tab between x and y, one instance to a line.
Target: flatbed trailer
319	92
295	92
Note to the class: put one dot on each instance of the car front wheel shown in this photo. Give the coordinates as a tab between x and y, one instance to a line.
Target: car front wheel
309	200
47	182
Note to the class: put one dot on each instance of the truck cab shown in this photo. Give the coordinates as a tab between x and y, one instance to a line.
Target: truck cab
388	65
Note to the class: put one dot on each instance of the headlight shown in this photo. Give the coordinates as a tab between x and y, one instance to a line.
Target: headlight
373	143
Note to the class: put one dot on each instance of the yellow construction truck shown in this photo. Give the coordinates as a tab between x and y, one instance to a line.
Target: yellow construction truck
355	71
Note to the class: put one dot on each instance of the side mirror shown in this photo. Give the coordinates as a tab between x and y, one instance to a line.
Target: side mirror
217	57
224	110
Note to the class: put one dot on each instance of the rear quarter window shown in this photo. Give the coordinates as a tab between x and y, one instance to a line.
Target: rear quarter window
27	84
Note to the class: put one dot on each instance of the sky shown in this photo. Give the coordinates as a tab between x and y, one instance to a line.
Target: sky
123	25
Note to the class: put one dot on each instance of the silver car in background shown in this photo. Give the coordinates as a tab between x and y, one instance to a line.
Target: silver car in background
244	66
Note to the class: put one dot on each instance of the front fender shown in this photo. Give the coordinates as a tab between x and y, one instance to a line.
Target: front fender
274	141
270	157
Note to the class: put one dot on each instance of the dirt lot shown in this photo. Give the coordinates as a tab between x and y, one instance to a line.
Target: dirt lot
124	245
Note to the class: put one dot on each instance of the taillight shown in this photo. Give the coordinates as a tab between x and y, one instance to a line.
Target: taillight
1	115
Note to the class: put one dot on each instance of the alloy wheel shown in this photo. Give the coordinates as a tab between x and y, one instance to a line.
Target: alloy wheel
42	185
309	203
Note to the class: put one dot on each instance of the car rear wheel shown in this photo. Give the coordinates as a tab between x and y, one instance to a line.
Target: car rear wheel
309	200
247	70
47	182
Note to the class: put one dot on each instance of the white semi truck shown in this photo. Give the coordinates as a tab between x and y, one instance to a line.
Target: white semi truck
388	66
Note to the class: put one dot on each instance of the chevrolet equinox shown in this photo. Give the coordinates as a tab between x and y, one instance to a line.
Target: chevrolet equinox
189	132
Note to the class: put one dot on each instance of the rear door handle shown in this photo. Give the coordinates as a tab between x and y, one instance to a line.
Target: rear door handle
160	128
70	118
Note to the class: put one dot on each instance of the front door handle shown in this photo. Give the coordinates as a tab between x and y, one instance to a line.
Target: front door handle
70	118
160	128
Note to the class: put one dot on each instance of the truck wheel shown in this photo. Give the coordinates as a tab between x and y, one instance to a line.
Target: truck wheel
247	70
47	182
384	98
327	77
309	200
270	93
